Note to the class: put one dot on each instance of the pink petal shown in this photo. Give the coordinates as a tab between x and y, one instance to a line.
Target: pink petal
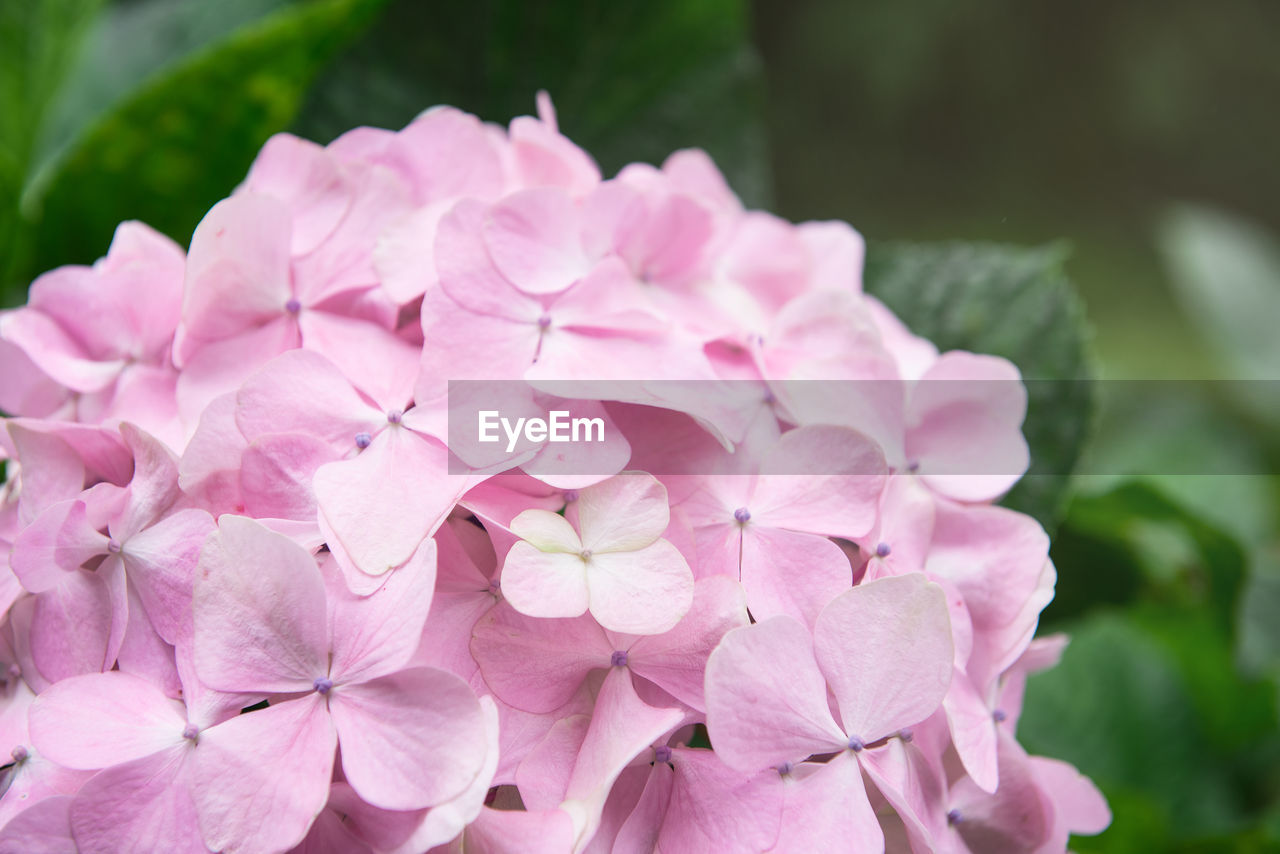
622	726
209	472
55	352
52	470
447	153
906	777
154	486
534	239
992	555
623	513
383	503
303	391
1018	817
222	366
1077	803
237	270
145	654
447	820
829	811
822	479
537	664
514	832
545	158
261	778
966	414
259	606
78	626
639	832
713	807
276	472
885	649
766	698
57	542
791	573
373	359
676	660
973	731
306	178
544	584
141	806
409	740
103	719
468	275
643	592
377	634
42	828
161	562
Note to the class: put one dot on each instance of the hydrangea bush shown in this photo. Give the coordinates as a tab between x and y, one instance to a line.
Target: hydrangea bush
259	603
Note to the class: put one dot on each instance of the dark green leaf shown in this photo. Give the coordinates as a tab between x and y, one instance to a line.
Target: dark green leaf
181	141
38	42
1011	302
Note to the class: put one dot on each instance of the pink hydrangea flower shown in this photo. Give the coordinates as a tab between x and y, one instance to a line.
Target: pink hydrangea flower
252	599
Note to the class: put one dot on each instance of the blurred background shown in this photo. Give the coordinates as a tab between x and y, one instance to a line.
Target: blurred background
1127	151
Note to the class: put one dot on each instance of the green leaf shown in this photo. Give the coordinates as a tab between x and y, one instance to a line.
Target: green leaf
38	42
1151	699
185	137
1226	273
1013	302
631	79
1122	709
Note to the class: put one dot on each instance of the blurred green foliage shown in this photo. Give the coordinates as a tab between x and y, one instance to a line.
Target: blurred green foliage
998	120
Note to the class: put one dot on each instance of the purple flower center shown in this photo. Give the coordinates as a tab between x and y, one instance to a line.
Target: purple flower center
19	753
954	817
906	735
856	744
913	466
113	546
883	550
619	658
785	768
190	732
999	716
585	554
363	440
323	684
544	321
293	306
662	754
394	416
742	514
493	586
570	496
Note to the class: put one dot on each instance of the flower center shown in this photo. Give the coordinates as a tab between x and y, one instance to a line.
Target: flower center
363	440
662	754
323	684
113	546
883	550
190	732
742	514
293	306
619	658
856	744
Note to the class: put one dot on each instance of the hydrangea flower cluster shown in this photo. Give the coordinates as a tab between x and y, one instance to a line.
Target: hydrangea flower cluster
252	604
